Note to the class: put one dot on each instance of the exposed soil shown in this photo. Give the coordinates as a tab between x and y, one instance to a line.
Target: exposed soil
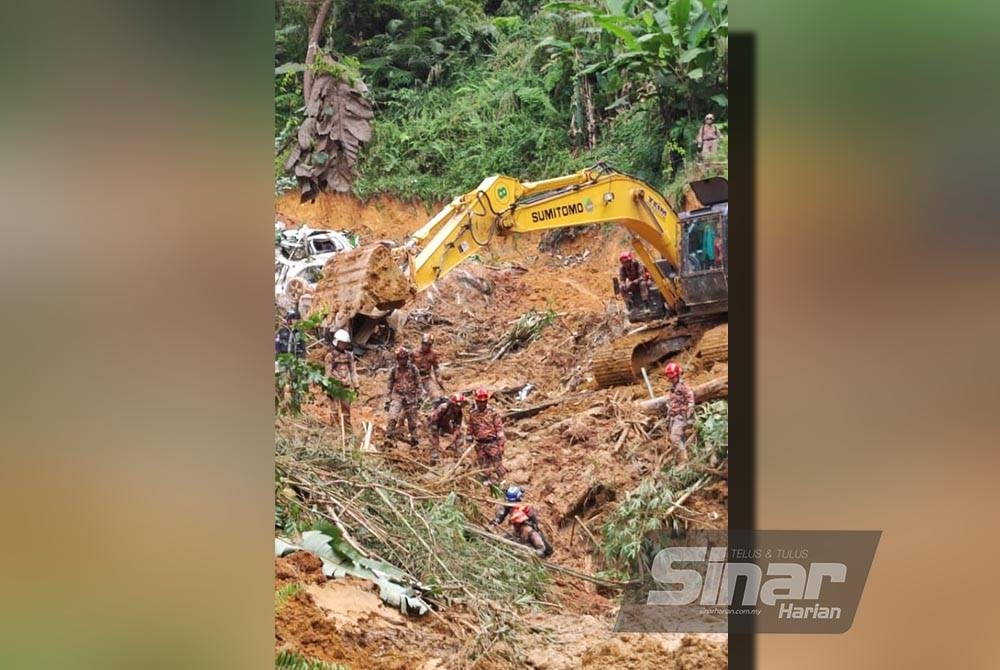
573	458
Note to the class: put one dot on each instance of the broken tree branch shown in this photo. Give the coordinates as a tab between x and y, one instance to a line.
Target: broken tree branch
314	34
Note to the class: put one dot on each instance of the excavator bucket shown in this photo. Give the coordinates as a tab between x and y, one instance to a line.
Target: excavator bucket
365	281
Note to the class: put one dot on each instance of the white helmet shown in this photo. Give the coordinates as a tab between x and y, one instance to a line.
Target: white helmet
342	336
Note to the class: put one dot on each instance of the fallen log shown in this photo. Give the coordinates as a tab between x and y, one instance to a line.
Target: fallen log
522	413
513	415
710	390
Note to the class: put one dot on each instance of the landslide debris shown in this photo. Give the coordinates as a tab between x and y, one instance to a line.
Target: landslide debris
577	450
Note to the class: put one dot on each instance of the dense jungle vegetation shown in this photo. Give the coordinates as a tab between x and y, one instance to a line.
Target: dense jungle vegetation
462	89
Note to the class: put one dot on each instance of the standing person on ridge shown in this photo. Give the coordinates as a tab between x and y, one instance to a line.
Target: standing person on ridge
708	137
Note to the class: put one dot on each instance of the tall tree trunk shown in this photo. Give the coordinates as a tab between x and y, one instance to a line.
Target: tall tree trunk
588	101
314	33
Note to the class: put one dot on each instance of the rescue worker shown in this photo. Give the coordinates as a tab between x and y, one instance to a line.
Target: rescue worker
708	137
339	364
426	360
288	339
680	409
403	395
446	419
632	278
484	428
523	520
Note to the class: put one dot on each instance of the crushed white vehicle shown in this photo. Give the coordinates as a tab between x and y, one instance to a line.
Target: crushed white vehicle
303	252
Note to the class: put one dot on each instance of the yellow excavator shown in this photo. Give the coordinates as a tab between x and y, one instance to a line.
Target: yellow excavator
685	255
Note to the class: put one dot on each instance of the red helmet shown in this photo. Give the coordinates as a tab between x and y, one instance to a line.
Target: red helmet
457	398
481	394
402	353
673	370
625	256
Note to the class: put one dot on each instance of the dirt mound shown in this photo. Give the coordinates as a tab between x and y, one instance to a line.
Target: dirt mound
301	626
300	566
342	621
697	653
641	652
377	219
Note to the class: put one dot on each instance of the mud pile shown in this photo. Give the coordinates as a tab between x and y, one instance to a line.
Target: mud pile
648	653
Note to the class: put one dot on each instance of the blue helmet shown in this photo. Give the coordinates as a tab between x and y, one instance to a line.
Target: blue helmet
514	494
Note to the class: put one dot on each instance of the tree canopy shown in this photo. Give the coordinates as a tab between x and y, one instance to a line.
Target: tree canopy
462	89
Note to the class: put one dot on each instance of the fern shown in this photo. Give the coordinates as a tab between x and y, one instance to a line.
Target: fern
284	594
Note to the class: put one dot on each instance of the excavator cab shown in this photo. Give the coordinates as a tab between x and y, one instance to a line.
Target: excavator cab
704	274
704	254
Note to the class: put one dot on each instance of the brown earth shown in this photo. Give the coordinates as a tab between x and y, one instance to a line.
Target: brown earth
574	459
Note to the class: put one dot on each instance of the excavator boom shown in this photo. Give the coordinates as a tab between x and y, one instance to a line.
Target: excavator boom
501	206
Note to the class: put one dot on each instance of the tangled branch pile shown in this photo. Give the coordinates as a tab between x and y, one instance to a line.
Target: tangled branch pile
426	534
658	502
524	331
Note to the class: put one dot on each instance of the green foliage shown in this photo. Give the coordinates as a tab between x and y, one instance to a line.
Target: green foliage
291	660
412	44
675	53
346	68
496	119
288	110
712	428
641	512
294	379
462	91
525	330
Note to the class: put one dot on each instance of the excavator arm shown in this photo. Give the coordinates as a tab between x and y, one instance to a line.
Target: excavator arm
501	206
362	285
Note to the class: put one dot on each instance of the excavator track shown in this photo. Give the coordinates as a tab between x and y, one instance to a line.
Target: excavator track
714	344
621	362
